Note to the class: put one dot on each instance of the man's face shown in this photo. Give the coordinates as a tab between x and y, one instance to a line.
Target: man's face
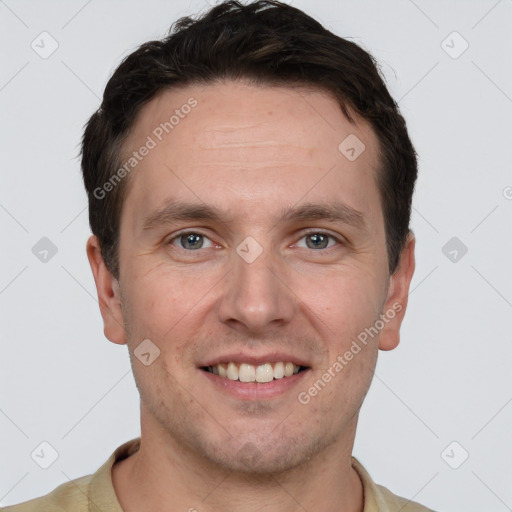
268	280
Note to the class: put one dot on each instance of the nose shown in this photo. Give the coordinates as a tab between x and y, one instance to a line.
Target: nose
256	294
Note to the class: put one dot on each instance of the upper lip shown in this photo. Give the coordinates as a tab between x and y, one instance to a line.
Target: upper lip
256	360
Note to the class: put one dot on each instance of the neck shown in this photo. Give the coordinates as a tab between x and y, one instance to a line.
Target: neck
167	477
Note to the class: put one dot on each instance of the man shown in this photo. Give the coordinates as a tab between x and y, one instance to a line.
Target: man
250	183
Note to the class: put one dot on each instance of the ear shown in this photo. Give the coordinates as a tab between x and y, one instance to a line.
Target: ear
108	294
398	292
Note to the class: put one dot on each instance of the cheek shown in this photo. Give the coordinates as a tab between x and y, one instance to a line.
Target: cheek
345	302
158	299
354	306
166	307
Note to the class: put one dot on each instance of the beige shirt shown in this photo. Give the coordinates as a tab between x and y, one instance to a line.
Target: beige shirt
95	493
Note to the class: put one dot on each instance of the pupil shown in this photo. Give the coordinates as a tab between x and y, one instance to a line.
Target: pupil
191	241
318	240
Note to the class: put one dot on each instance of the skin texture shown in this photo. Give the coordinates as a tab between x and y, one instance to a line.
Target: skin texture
251	151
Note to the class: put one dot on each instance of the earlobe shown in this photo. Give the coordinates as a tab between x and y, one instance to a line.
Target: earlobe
108	292
398	292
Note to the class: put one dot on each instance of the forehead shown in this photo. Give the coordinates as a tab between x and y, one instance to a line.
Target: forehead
232	141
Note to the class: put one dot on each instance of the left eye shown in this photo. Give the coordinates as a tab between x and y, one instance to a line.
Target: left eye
318	240
191	241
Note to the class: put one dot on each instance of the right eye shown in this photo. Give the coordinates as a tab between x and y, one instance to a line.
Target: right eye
190	241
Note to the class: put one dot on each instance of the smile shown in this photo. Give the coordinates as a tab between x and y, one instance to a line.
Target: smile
244	372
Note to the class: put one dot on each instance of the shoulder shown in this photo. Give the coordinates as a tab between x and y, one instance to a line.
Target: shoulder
69	497
380	499
84	494
393	503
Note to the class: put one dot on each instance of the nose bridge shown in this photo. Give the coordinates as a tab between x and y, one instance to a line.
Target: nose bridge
256	295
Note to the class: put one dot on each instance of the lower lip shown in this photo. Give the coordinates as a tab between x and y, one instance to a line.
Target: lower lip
255	390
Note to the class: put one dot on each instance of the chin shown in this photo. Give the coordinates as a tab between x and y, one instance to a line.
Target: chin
264	457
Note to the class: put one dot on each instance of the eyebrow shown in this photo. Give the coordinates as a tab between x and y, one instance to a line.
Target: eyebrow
332	211
181	211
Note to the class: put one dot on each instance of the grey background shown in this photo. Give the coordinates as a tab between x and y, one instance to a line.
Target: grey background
449	380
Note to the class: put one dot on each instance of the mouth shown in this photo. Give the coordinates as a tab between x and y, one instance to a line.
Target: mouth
260	373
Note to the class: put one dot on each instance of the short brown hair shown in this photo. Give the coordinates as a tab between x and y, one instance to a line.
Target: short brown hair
265	42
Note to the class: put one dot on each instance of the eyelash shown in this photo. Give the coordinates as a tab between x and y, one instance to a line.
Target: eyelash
304	235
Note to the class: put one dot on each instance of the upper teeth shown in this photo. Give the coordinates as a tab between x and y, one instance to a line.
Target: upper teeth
249	373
